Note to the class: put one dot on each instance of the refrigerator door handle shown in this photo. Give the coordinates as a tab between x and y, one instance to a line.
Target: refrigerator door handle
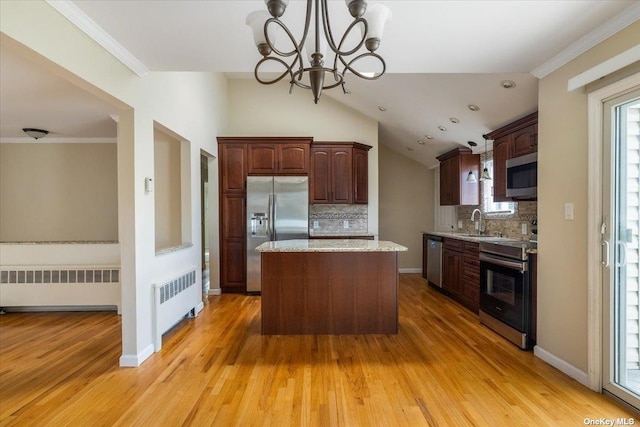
270	217
274	216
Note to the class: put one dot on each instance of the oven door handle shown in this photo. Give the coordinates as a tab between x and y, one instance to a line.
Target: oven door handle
512	264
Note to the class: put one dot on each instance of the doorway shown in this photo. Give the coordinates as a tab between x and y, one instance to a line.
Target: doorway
620	259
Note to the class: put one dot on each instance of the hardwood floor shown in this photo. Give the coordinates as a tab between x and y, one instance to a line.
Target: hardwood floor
442	369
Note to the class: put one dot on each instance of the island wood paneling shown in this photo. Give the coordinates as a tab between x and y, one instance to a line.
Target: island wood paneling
329	293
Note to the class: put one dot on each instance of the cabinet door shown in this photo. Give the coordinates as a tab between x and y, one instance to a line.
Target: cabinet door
293	159
262	159
320	175
451	261
232	253
501	153
233	167
360	176
341	176
525	141
449	182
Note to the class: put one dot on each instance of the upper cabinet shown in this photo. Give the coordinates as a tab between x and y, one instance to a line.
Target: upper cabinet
278	156
339	173
513	140
455	166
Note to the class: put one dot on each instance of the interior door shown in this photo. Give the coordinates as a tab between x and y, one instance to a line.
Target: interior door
621	261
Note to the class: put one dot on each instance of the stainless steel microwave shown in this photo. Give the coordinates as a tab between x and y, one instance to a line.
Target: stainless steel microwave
522	177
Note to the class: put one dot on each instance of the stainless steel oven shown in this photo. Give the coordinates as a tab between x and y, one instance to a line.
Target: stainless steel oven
505	291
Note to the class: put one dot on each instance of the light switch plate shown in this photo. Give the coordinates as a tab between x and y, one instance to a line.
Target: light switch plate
524	228
316	224
568	211
345	223
460	225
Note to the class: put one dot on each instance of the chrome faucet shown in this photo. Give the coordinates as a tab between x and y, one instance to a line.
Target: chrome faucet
473	218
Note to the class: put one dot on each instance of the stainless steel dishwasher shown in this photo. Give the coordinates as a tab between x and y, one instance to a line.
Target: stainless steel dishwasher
434	260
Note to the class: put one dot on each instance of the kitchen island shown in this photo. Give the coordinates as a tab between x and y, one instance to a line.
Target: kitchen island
329	287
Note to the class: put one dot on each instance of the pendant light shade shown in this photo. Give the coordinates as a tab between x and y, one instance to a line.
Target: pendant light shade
485	172
471	177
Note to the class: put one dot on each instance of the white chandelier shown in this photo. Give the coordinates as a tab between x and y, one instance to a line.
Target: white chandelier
309	73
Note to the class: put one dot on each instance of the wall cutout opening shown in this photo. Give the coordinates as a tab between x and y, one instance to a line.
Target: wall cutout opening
171	189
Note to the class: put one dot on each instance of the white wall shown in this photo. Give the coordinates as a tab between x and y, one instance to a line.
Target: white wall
190	104
562	178
259	110
406	205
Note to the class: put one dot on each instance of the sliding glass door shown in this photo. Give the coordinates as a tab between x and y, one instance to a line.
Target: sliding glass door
620	228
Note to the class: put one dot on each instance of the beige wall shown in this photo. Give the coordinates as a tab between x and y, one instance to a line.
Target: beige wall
406	204
259	110
167	191
58	192
562	175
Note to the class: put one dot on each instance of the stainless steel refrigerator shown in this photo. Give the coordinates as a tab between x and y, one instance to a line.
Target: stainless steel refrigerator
277	209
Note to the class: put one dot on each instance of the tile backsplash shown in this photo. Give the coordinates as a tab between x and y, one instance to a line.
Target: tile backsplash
509	225
331	218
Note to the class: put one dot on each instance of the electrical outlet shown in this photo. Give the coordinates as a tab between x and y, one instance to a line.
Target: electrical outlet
345	224
460	225
316	224
524	228
568	211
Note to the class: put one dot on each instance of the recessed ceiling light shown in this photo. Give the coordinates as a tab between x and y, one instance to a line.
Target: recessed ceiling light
473	107
421	142
409	148
442	128
428	136
382	109
454	120
508	84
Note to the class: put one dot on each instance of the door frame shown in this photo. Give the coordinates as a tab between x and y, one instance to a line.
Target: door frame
594	221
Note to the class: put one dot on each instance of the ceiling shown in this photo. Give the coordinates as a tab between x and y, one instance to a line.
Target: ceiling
440	56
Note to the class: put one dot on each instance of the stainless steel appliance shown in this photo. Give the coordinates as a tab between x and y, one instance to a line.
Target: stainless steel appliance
505	292
522	177
434	260
277	209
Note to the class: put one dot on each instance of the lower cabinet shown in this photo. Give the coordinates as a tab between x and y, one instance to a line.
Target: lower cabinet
461	272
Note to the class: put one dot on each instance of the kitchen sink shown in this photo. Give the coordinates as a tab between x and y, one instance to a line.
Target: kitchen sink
482	237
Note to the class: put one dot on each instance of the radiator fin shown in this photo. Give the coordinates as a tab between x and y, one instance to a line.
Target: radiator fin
46	276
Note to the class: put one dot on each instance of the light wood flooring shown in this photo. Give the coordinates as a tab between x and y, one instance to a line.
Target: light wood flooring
442	369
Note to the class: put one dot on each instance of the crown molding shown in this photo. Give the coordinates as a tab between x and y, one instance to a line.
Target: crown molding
595	37
56	140
80	19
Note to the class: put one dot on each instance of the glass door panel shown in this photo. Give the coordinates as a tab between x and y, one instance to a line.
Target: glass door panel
621	185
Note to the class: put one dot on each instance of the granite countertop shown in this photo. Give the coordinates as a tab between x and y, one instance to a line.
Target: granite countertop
334	234
334	245
533	249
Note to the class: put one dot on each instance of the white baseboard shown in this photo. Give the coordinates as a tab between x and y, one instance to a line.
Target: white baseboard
563	366
410	270
215	291
135	360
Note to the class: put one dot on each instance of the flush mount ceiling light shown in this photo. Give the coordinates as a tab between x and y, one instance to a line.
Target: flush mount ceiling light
473	107
508	84
309	71
35	133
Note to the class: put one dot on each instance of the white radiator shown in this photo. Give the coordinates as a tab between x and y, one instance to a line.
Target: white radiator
173	300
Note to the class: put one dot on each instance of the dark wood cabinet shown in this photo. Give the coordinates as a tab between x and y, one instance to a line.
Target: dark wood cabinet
501	153
513	140
455	165
282	157
461	271
339	173
239	157
525	141
360	176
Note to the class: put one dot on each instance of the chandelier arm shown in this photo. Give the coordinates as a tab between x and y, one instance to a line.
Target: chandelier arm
297	48
299	83
329	34
347	66
287	70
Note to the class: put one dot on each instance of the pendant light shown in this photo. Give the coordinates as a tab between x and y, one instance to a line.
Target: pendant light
485	172
471	177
